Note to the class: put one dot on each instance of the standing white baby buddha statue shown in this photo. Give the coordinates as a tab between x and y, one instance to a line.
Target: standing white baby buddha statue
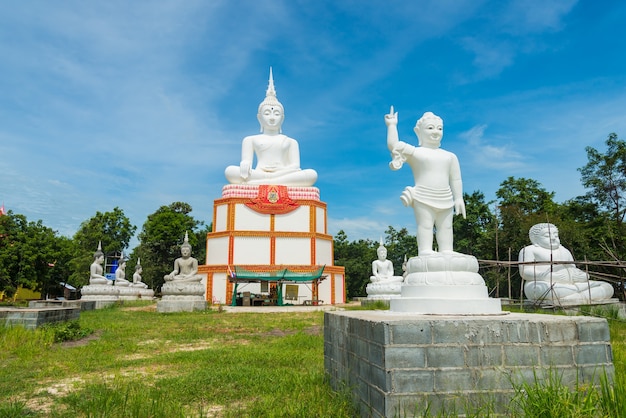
278	156
438	190
442	281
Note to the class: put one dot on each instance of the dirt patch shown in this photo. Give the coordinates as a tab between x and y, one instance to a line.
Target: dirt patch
83	341
278	333
314	330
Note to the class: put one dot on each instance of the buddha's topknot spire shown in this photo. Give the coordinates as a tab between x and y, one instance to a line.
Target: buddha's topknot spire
98	252
271	91
270	94
186	241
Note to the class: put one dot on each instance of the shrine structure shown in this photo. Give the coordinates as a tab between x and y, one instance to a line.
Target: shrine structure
271	226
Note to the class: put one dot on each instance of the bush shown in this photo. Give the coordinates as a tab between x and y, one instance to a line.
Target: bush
67	331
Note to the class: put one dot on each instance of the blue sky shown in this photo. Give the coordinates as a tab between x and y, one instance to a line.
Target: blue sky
140	104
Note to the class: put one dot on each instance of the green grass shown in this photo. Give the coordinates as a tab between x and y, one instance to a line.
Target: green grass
140	363
135	362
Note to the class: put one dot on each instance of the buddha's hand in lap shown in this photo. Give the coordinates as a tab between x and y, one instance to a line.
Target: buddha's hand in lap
244	169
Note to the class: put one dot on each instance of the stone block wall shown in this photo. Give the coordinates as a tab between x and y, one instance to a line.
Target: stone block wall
397	364
31	318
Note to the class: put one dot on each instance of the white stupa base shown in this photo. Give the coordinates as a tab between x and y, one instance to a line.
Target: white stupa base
101	295
384	290
445	284
184	290
99	292
179	296
135	293
446	300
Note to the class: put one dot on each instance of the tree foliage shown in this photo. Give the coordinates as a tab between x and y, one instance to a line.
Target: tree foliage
356	257
161	237
31	255
591	226
399	244
605	177
475	234
113	229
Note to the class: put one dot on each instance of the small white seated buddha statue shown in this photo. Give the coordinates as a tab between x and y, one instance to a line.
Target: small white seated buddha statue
185	267
137	279
120	273
96	271
384	285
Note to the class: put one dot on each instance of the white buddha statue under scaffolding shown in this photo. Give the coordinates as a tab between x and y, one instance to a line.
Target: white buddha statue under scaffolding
277	155
550	274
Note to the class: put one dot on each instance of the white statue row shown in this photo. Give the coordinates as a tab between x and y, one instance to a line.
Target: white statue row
435	197
96	272
438	194
547	268
185	269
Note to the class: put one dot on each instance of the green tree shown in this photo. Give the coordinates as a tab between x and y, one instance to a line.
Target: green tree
582	228
527	195
399	244
161	237
474	234
477	235
522	203
356	257
605	177
31	255
113	229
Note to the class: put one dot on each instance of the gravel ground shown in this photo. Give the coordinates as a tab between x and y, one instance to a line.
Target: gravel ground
294	308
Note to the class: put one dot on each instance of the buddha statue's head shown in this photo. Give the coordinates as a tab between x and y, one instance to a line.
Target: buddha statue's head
185	248
381	251
98	255
429	129
271	112
545	235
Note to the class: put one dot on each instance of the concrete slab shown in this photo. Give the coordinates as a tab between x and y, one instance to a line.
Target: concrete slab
398	364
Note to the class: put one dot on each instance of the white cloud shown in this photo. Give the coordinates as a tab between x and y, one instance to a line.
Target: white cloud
486	155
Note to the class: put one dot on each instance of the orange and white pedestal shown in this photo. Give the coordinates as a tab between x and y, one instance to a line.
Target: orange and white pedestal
267	228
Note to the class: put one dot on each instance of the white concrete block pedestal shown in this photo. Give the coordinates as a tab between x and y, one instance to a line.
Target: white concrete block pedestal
397	364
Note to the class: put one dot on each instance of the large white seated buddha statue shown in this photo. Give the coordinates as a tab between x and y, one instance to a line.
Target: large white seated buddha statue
183	289
185	267
277	155
548	274
384	285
